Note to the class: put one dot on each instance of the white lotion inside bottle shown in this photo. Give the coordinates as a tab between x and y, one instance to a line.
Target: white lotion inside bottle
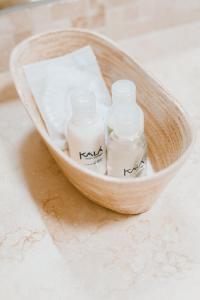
127	145
86	133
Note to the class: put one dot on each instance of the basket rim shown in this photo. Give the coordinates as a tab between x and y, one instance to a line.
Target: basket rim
109	179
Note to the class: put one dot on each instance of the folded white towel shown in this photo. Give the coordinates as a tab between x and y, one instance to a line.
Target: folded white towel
52	81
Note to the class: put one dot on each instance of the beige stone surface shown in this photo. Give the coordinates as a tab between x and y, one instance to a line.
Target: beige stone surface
116	18
56	244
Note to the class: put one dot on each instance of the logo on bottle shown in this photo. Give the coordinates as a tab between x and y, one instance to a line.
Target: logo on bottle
91	155
135	169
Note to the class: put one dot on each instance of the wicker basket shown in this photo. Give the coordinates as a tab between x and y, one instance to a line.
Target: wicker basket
167	128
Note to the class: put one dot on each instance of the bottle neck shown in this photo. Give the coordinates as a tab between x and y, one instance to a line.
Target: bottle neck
80	120
128	123
123	101
129	138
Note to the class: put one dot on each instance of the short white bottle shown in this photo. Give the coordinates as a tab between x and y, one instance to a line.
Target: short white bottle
123	94
127	145
86	133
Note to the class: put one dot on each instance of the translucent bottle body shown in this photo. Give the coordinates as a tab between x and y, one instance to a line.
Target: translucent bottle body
126	156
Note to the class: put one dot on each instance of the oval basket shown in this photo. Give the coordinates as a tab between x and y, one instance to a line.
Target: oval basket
168	132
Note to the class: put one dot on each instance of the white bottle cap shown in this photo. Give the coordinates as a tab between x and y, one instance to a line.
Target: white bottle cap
124	92
128	122
83	105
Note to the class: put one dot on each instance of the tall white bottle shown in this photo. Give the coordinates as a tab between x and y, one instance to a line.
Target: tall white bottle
123	94
126	149
86	133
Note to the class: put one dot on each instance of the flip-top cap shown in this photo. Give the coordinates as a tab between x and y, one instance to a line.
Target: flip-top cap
83	105
123	92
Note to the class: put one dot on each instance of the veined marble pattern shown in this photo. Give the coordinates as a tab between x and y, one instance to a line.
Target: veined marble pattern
56	244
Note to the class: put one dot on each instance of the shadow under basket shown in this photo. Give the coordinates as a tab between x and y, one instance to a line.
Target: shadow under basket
168	132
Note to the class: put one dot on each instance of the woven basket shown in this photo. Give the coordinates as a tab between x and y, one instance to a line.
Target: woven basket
167	128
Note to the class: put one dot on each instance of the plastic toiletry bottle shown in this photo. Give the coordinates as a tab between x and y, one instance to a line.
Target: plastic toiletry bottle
123	94
86	133
126	148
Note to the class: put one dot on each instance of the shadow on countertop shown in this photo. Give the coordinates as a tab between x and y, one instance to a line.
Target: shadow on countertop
62	206
7	88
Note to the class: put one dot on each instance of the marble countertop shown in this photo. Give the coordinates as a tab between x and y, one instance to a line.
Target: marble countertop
56	244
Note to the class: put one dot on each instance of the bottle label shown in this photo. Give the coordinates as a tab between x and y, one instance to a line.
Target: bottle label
136	170
92	157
